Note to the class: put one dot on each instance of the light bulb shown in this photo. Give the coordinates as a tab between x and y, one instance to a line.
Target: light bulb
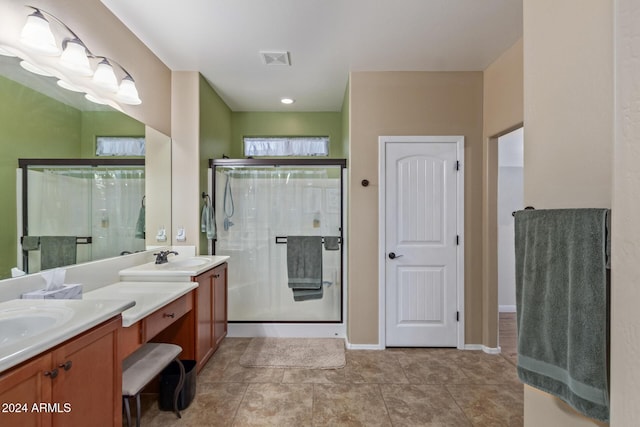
36	35
287	101
128	94
104	76
74	58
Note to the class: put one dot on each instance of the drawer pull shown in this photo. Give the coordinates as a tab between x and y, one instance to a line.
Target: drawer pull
172	315
66	365
52	373
216	276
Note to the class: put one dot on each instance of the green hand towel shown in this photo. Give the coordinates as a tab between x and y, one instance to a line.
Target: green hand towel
140	224
561	299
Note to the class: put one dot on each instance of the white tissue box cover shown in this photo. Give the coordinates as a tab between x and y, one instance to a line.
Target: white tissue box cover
66	292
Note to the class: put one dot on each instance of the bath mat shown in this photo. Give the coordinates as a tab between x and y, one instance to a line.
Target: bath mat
305	353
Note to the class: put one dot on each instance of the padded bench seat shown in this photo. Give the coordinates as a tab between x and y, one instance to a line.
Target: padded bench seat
146	363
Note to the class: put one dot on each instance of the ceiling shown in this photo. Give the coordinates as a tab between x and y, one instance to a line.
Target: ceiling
326	39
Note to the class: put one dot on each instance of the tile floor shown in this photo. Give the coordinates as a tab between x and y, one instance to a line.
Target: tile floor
395	387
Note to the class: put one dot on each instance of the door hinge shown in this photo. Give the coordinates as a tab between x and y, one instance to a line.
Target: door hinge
457	316
457	165
457	240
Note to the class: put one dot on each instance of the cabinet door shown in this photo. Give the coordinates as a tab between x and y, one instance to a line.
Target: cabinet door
219	304
89	379
204	332
20	389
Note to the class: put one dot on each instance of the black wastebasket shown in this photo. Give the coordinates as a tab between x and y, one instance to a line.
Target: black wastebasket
169	380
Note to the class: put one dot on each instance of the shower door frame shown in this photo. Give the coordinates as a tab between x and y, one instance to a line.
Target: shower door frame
24	164
342	163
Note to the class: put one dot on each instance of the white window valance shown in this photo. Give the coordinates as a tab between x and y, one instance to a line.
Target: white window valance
120	146
286	146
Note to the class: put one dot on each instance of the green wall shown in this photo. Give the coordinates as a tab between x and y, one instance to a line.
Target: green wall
215	137
31	125
106	123
287	124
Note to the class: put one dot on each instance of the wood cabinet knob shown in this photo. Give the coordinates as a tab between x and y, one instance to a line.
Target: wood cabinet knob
52	373
66	365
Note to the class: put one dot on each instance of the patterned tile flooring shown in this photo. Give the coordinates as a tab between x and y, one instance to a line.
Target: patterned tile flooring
394	387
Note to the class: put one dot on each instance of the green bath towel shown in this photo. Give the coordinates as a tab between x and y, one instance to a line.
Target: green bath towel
57	251
304	262
562	307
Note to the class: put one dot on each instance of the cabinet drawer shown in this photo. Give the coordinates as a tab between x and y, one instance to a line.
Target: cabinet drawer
162	318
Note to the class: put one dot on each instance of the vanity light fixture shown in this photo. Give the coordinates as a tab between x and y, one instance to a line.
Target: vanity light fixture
34	69
287	101
74	57
69	86
105	76
5	52
74	67
36	34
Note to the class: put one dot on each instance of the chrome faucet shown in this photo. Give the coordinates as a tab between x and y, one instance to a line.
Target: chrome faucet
161	257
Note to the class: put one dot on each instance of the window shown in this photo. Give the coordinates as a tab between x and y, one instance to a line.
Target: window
286	146
120	146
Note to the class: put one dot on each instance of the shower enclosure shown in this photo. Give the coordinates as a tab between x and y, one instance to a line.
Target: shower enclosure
99	202
259	205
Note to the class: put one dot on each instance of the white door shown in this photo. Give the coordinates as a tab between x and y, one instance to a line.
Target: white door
421	243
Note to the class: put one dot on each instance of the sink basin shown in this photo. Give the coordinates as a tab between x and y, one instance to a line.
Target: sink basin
178	269
189	262
26	322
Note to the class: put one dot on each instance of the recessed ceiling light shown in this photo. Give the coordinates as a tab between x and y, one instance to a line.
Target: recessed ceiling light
287	101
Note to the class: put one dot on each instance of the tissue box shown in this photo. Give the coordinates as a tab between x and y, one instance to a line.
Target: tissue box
66	292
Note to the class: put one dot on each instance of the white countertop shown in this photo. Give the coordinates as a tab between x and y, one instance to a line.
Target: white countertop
72	318
148	296
179	268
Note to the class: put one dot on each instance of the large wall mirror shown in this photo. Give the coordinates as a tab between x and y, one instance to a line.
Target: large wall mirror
40	120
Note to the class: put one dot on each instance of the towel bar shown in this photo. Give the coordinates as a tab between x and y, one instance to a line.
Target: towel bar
282	240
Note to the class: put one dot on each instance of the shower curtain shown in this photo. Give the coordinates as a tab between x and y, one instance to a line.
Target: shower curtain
256	209
101	203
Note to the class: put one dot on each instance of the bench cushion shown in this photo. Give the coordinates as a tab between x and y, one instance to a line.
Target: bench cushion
145	364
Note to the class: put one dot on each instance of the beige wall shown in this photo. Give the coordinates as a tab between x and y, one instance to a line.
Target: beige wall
568	115
502	111
409	103
157	184
185	173
568	93
105	35
625	291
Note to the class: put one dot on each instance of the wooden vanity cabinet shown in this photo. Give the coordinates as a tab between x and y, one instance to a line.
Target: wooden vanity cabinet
211	312
77	383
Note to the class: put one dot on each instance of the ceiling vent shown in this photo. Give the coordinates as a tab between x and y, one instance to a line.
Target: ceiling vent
275	58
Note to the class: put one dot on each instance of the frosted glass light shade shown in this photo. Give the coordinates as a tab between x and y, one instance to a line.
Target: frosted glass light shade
94	99
37	36
74	58
128	94
104	76
69	86
35	69
5	52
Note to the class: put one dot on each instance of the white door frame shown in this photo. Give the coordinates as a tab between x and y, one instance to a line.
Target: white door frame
382	299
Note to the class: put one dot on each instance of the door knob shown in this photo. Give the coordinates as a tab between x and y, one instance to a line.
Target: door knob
392	255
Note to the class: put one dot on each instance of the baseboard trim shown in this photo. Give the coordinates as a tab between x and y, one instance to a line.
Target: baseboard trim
351	346
507	308
488	350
